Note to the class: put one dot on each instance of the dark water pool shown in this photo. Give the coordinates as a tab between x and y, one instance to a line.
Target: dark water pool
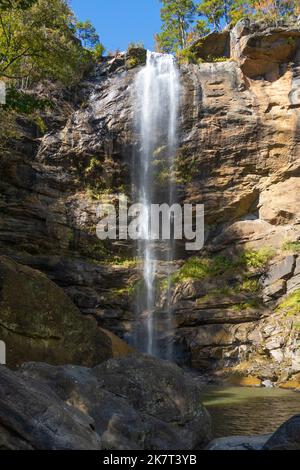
249	411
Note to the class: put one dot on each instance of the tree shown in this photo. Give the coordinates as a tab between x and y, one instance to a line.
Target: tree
273	10
177	17
39	41
240	9
269	10
87	33
16	4
216	12
201	28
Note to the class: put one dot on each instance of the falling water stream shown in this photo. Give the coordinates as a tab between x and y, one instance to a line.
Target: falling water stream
156	104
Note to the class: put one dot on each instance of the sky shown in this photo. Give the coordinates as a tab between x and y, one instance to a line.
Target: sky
119	22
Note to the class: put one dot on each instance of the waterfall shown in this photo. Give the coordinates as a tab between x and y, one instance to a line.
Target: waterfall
156	110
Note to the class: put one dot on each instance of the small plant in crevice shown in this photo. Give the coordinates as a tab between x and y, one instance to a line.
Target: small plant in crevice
256	259
214	59
291	304
291	246
124	262
129	290
250	286
247	305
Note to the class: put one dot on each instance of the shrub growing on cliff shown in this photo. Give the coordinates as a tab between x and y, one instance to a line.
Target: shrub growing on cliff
291	246
249	261
201	268
291	305
186	56
256	259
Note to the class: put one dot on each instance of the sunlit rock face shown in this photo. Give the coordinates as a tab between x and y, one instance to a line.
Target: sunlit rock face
237	153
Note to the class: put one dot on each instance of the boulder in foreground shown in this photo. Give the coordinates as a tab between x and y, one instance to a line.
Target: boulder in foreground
287	437
136	402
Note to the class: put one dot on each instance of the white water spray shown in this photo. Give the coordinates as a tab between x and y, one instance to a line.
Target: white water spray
157	92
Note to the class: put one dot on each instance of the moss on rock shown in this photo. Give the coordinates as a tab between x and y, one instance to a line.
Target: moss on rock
38	322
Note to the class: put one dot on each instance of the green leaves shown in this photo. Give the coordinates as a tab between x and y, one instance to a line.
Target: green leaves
16	4
24	103
214	11
86	32
177	17
38	41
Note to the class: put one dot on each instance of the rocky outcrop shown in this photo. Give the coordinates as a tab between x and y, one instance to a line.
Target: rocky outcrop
132	403
263	51
49	198
245	324
212	46
38	322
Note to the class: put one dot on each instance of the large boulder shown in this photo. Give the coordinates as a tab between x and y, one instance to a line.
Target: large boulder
287	437
34	417
39	322
133	403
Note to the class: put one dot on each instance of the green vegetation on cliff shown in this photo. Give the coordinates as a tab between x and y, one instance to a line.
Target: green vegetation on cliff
202	268
291	304
185	20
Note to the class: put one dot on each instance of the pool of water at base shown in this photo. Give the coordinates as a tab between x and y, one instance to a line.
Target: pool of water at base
243	411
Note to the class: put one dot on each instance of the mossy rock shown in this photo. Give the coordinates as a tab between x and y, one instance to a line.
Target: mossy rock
39	322
136	56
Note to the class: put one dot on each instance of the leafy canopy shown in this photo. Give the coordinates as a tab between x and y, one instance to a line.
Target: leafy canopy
41	40
21	4
177	17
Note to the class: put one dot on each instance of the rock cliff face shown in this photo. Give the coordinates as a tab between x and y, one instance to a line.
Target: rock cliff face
238	154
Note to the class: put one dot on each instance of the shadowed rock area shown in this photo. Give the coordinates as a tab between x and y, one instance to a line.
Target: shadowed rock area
39	322
132	403
287	437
